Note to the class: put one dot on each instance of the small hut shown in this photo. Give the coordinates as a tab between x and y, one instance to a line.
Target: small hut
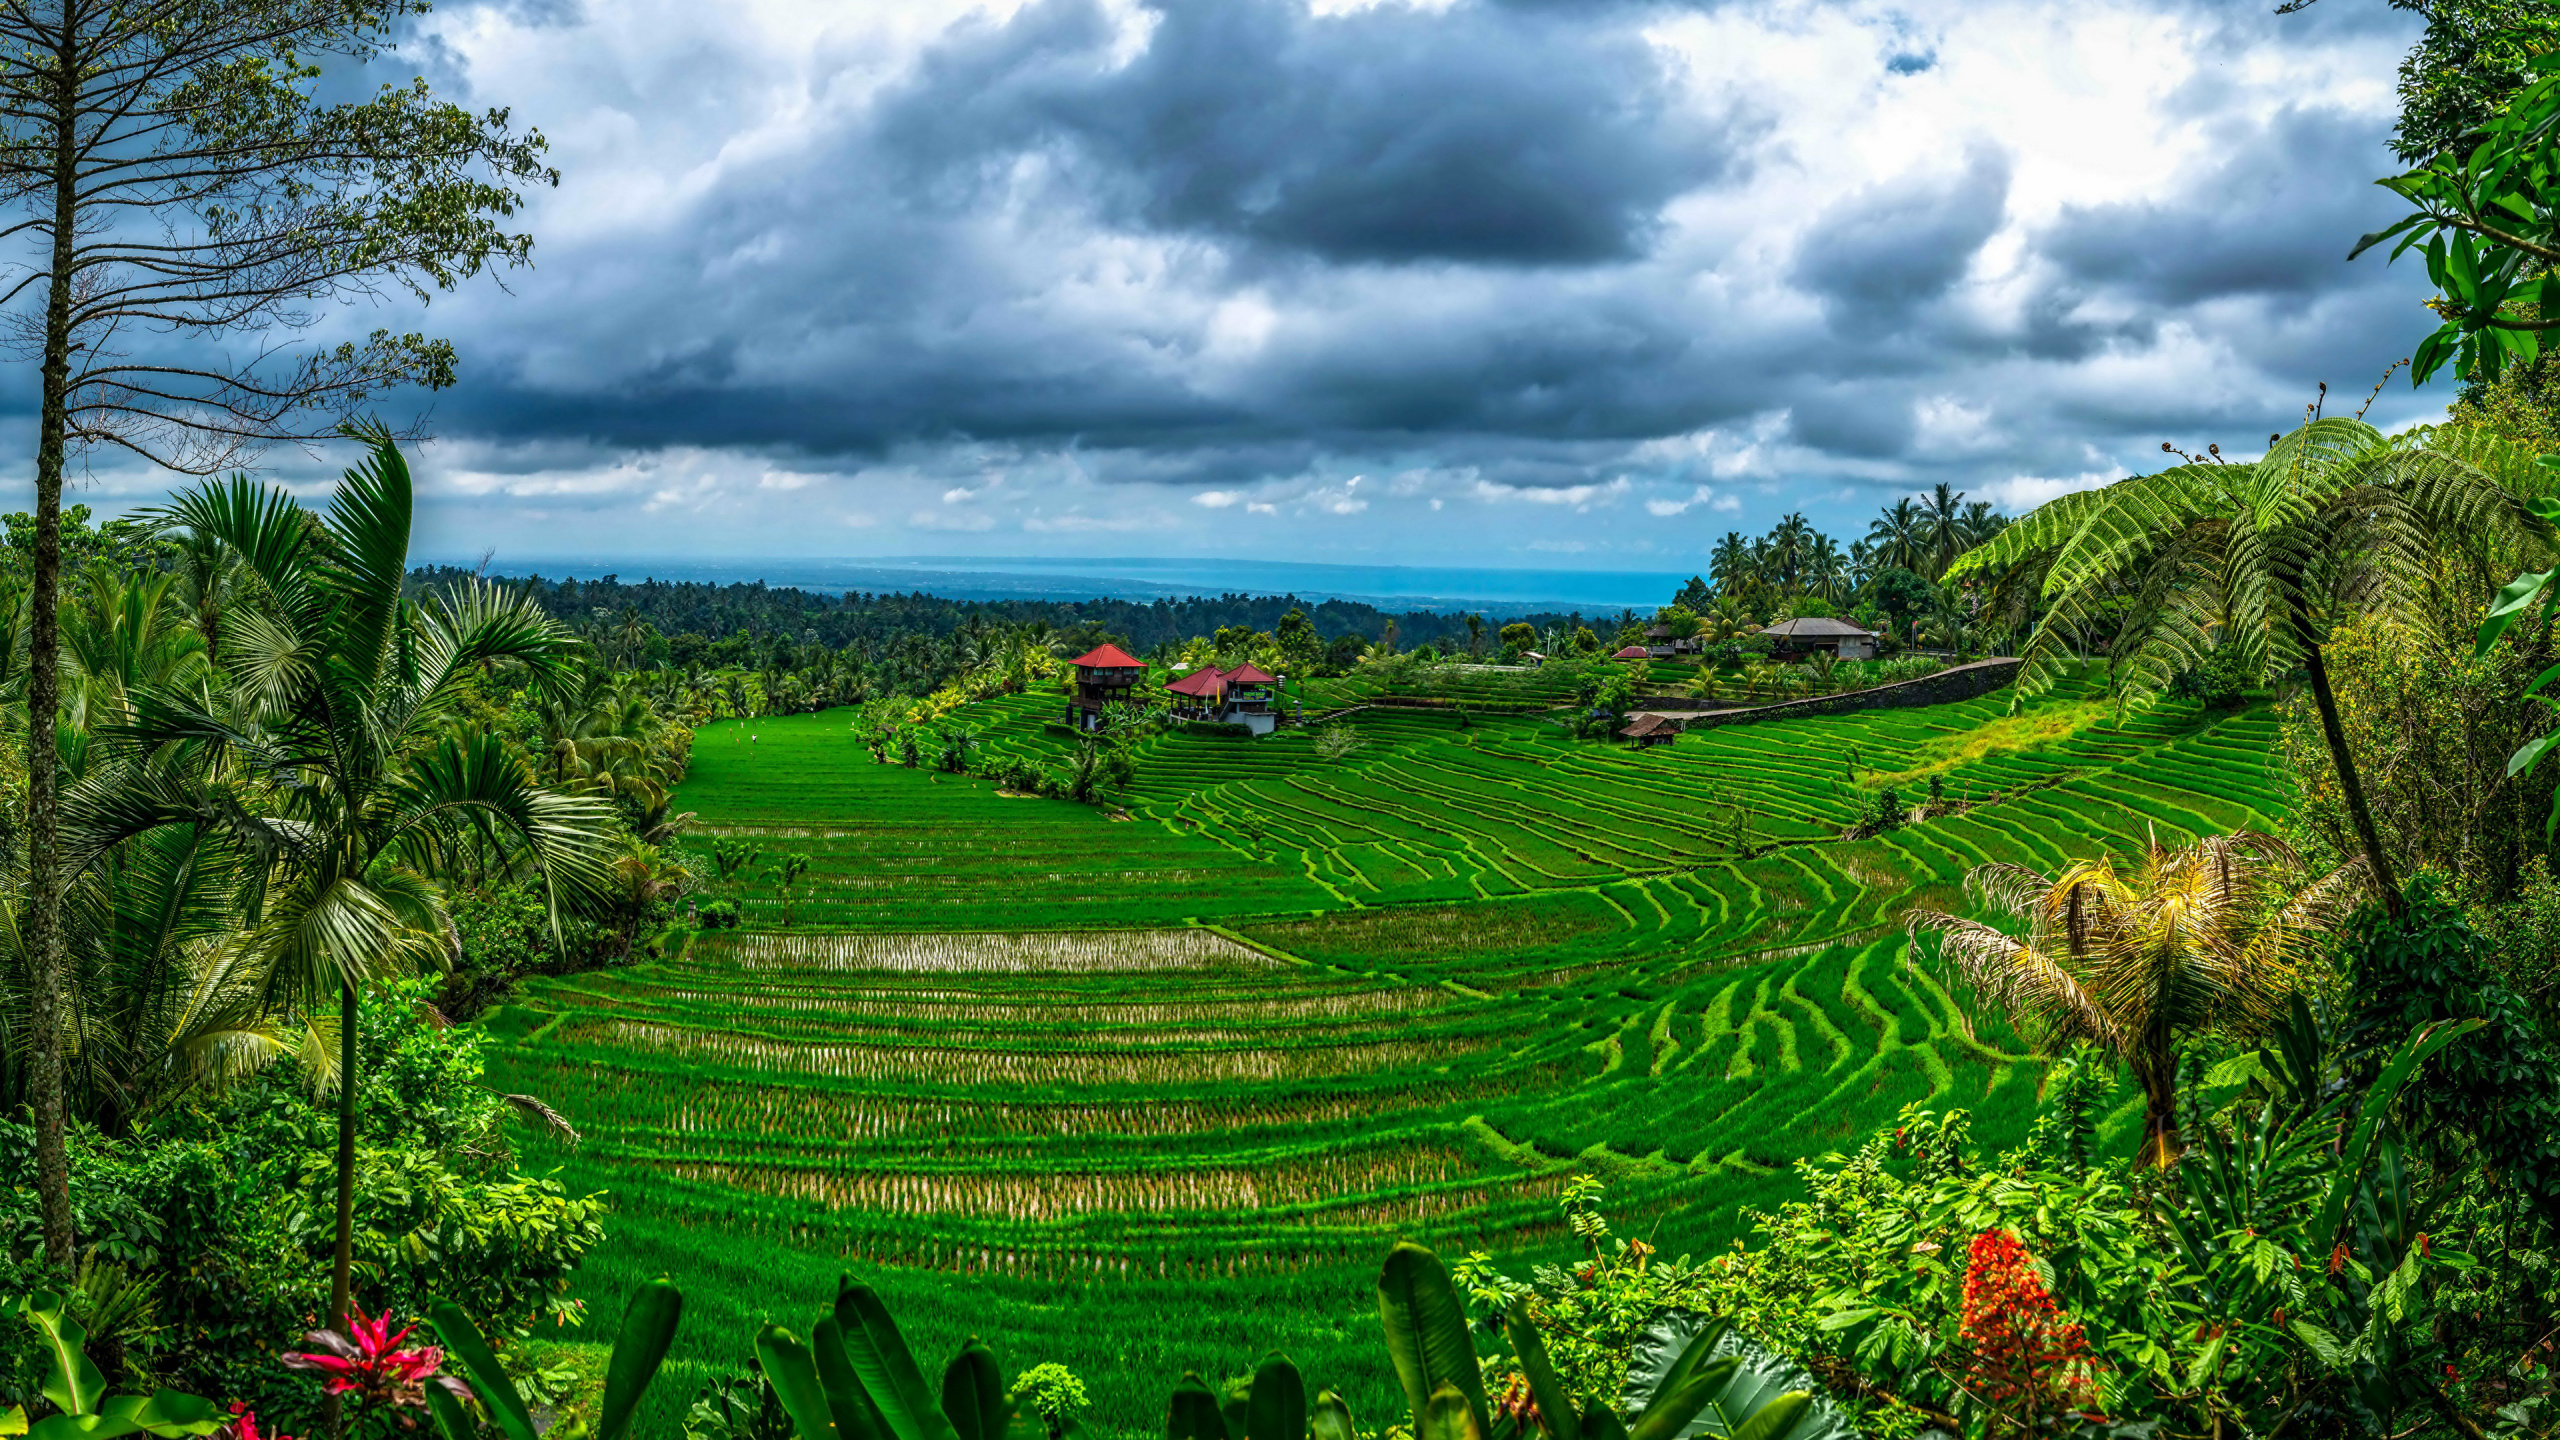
1809	633
1631	652
1650	729
1662	644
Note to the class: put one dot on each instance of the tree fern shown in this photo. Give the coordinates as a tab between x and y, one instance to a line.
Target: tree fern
2260	555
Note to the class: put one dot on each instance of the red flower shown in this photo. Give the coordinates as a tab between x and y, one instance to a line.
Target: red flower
372	1365
2027	1359
244	1426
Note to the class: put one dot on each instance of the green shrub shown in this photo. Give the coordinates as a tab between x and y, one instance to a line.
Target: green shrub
2499	1088
2220	680
223	1212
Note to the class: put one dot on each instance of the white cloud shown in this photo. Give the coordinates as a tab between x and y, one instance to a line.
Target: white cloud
1665	509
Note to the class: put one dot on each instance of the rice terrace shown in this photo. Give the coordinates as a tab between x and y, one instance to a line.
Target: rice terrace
1057	1072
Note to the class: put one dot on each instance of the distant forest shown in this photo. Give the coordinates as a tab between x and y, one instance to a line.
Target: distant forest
872	622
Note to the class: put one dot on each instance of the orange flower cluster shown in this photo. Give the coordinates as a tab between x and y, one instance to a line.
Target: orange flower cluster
2027	1361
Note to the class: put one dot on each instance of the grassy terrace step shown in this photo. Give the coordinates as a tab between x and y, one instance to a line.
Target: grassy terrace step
1019	1063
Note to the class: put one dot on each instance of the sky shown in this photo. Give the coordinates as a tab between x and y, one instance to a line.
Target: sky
1478	283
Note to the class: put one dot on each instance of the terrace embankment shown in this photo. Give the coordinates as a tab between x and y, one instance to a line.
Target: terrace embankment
1950	686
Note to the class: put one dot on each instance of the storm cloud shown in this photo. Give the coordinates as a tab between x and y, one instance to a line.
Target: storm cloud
1422	279
1486	135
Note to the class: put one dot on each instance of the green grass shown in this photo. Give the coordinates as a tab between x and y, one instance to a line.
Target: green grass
1153	1094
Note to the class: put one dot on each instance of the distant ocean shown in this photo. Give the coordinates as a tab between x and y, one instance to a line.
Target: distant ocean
1029	577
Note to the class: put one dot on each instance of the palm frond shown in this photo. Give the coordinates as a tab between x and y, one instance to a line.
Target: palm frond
552	1121
2036	988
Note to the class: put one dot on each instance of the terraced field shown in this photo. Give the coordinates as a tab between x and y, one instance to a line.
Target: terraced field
1065	1079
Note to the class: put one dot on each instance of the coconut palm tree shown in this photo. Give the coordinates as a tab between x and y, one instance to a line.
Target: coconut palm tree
1981	522
1943	535
1731	564
335	760
1897	535
2261	555
1826	570
2212	936
1789	543
1862	564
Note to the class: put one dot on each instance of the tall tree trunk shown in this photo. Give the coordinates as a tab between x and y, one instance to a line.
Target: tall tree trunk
342	1265
2343	760
2158	1075
43	934
342	1262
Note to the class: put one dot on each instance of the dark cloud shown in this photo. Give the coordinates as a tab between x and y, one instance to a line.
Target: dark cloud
1482	134
1879	256
1861	422
1485	243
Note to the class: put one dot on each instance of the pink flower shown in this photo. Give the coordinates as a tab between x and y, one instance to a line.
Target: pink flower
244	1426
372	1366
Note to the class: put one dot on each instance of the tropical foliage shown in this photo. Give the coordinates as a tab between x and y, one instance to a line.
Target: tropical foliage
2212	937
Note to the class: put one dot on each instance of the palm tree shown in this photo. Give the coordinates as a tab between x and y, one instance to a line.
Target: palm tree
336	761
1826	570
601	732
2212	936
2260	555
208	576
1980	522
1788	544
1730	564
151	1001
1862	564
1942	528
123	633
1896	535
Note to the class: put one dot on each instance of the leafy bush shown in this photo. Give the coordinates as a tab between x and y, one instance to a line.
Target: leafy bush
2498	1088
506	933
2220	679
222	1215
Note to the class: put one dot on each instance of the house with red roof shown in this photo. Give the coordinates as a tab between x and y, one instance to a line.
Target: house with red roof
1631	652
1105	677
1241	696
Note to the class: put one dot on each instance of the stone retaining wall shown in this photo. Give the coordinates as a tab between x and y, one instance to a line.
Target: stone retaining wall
1961	682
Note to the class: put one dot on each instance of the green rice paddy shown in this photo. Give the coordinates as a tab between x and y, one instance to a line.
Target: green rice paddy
1153	1093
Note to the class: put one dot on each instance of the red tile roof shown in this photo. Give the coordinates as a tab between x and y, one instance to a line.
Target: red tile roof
1110	657
1248	674
1632	652
1203	682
